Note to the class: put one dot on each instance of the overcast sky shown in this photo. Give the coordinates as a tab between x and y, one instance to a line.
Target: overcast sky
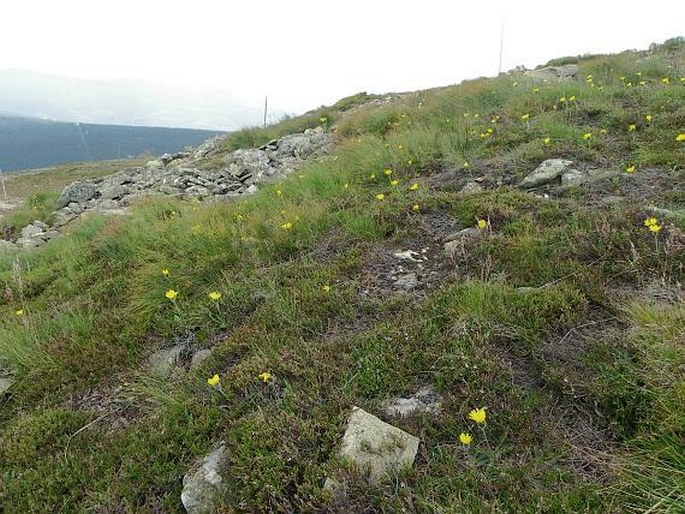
305	53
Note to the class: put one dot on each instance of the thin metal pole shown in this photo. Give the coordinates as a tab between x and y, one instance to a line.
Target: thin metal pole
265	109
2	179
501	47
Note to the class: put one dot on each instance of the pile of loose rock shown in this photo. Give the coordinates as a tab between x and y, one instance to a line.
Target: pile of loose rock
185	175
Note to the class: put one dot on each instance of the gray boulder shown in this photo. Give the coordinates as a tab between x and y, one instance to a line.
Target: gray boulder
78	192
5	384
554	73
572	178
163	362
203	487
547	172
375	446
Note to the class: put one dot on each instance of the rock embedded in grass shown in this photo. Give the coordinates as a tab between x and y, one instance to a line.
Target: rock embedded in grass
374	447
548	171
203	487
425	400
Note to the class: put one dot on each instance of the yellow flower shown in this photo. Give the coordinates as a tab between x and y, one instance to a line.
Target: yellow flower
572	98
489	131
400	147
19	312
264	377
476	116
478	415
680	137
279	192
171	294
239	217
214	296
495	118
525	117
409	162
536	90
323	119
394	182
562	99
655	228
166	272
326	288
648	118
465	164
482	224
387	172
630	169
372	176
214	381
515	84
415	207
287	226
547	140
603	131
649	222
413	187
666	80
587	136
632	127
380	197
622	78
346	187
465	439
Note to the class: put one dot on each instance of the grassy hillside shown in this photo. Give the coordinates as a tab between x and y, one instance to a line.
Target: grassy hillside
563	315
33	143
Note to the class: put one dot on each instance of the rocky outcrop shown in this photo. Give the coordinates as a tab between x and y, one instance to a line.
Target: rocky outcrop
425	400
184	175
554	73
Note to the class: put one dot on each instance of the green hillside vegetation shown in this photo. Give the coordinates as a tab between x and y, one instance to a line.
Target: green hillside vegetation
563	316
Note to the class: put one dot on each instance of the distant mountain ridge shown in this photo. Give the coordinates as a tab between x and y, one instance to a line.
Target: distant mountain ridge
34	143
122	102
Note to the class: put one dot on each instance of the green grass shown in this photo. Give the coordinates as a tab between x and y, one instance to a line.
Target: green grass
564	317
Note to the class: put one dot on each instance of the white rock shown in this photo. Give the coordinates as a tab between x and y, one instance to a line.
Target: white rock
426	399
547	172
203	488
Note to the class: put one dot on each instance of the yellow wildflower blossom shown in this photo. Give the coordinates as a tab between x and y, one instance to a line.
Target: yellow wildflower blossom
214	296
650	221
525	117
632	127
415	207
264	377
387	172
380	197
482	224
630	169
326	288
680	137
214	381
587	136
478	415
166	272
287	226
655	228
394	182
465	439
171	294
19	312
413	187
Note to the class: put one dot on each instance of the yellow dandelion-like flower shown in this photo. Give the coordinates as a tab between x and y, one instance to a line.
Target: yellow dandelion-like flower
326	288
19	312
476	116
665	80
394	182
372	176
489	130
622	79
478	415
587	136
287	226
166	272
632	127
215	296
655	228
536	90
547	140
409	162
482	224
346	187
572	98
465	439
265	376
279	192
562	99
650	221
400	147
380	197
525	117
603	131
171	294
387	172
415	207
680	137
239	217
638	73
465	164
494	119
323	119
214	381
649	118
413	187
630	169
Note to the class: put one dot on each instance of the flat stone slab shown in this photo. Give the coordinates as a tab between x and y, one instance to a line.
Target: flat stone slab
376	446
5	384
